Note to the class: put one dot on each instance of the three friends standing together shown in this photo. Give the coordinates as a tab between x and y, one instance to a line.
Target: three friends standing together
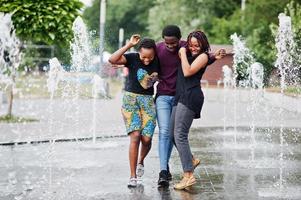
178	67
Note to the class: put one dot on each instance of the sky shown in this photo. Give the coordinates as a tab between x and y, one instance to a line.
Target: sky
87	2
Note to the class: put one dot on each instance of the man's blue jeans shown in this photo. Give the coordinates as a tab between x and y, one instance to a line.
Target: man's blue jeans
164	106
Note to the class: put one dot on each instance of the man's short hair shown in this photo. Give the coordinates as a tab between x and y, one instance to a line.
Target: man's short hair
171	30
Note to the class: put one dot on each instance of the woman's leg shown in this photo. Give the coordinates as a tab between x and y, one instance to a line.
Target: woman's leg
133	151
131	115
195	161
147	112
183	120
146	144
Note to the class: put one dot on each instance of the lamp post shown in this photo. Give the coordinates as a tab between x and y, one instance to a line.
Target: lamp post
243	5
121	37
102	20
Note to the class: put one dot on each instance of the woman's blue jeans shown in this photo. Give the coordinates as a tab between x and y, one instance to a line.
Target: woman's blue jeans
164	106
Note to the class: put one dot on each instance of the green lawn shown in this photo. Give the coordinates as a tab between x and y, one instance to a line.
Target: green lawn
16	119
290	91
35	86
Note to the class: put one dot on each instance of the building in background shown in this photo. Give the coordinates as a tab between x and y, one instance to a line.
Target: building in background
214	72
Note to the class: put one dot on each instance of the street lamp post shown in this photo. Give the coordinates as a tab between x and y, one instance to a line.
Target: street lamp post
243	5
102	20
121	37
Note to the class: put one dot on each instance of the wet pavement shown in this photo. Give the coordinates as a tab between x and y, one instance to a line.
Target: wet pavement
241	157
87	170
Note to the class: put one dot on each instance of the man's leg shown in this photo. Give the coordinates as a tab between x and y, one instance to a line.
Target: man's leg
164	108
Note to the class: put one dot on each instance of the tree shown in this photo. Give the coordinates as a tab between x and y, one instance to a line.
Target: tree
43	22
256	23
131	15
168	12
48	21
188	15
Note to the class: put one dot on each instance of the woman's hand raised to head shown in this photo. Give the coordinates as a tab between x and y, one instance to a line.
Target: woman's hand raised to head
134	39
117	58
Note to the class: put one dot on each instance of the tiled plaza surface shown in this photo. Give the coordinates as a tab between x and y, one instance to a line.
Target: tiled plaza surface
87	170
237	161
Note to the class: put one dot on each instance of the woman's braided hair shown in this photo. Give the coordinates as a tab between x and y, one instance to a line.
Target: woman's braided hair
202	40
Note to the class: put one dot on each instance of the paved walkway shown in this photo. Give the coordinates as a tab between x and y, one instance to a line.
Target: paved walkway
69	119
90	171
235	163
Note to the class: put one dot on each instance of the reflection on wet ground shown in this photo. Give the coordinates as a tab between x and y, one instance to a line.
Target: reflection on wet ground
242	164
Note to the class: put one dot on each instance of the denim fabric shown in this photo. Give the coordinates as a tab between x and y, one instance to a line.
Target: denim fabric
164	106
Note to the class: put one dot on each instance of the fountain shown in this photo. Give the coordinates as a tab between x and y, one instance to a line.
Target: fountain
258	140
70	83
284	63
256	75
285	50
100	87
98	83
80	47
242	60
82	56
10	56
55	75
228	83
256	83
228	77
81	60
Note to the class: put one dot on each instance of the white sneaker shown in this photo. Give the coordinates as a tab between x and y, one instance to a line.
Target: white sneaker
140	170
132	182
